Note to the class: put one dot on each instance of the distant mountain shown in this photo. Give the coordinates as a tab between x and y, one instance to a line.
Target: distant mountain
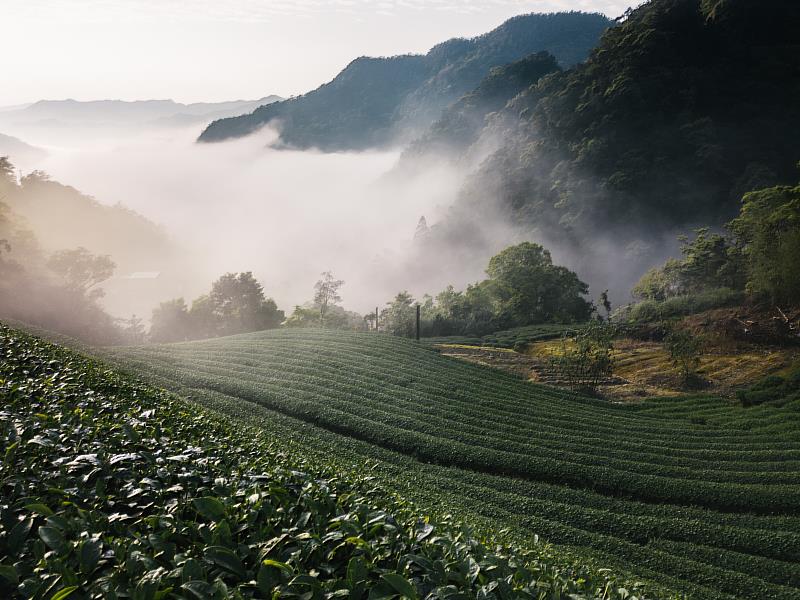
18	150
119	113
375	100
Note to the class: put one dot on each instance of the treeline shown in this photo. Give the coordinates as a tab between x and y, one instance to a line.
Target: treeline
235	304
756	256
523	287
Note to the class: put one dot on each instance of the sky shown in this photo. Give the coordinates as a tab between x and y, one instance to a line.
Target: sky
215	50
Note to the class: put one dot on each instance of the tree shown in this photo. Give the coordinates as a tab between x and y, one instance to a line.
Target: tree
400	315
303	316
81	270
530	289
203	322
170	322
659	283
709	261
235	304
768	236
336	317
326	293
684	352
133	330
606	304
238	303
8	174
586	357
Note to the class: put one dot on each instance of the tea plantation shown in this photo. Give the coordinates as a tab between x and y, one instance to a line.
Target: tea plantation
114	489
695	494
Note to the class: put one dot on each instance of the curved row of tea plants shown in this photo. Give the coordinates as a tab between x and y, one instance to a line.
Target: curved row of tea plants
390	393
733	554
616	532
113	489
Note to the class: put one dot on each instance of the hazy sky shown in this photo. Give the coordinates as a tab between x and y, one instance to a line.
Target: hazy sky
197	50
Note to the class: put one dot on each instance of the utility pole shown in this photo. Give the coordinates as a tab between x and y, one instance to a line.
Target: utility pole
418	307
376	319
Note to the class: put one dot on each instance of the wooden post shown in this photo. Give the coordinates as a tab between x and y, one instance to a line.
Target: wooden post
376	319
418	307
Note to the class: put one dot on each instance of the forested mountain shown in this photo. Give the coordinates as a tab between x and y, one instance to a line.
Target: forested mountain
375	100
679	111
63	217
462	122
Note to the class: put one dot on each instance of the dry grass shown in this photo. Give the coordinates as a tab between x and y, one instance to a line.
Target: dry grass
648	371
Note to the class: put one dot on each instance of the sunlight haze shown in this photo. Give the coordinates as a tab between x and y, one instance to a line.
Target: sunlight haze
200	50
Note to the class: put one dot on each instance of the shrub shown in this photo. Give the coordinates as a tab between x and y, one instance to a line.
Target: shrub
586	357
684	350
678	306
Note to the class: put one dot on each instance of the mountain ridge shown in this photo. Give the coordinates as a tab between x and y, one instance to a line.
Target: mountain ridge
373	102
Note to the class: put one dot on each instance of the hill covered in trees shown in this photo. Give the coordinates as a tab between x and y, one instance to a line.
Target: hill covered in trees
61	250
460	125
681	109
373	100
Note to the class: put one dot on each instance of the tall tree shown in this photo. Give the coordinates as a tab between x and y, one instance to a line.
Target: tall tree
531	289
326	294
170	322
398	318
238	302
768	232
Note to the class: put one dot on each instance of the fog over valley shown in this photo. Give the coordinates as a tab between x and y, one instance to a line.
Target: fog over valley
400	300
241	205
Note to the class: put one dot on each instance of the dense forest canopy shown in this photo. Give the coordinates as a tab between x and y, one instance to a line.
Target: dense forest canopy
461	123
375	100
681	109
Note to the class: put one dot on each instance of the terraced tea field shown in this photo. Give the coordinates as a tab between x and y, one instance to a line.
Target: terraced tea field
694	493
114	489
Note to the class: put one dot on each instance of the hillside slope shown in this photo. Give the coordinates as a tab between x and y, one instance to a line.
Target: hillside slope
461	123
112	488
18	150
693	493
373	100
679	111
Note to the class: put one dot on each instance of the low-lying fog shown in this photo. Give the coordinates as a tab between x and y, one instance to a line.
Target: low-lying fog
285	215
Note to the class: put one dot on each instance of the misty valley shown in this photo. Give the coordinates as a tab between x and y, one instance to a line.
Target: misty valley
517	316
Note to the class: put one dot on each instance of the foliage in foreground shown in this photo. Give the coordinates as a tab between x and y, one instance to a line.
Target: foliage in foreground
113	489
691	493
